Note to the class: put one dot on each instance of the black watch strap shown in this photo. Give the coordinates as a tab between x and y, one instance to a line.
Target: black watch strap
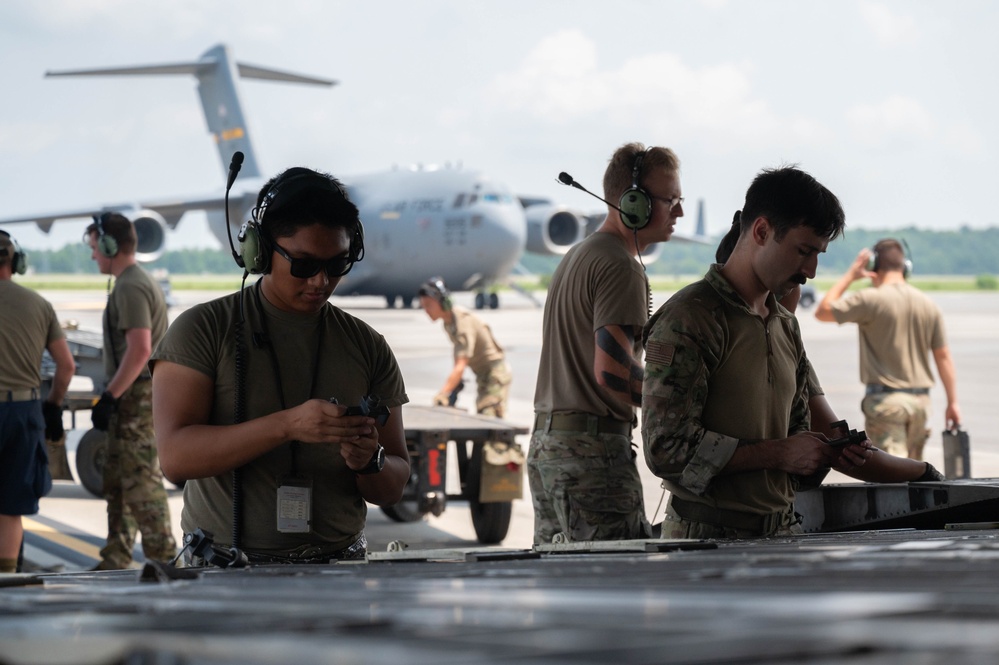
376	464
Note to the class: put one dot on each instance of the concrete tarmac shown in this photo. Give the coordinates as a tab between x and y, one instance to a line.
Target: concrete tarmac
424	354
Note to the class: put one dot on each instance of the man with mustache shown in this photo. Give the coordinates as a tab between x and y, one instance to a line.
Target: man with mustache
724	399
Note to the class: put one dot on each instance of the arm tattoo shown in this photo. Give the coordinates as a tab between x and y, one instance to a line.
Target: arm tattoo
618	384
610	346
622	356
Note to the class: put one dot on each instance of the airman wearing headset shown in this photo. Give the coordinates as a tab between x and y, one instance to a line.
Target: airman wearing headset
900	327
135	320
28	325
252	390
474	346
581	463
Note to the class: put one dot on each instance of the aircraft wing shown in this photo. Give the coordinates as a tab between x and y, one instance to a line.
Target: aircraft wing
170	209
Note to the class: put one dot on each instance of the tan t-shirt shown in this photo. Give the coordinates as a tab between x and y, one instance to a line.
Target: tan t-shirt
28	324
596	284
136	302
899	326
351	361
473	339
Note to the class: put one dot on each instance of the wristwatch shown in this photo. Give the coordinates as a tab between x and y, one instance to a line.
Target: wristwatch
376	464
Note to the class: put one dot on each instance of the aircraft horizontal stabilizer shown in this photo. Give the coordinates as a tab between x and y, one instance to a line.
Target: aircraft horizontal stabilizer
265	74
194	68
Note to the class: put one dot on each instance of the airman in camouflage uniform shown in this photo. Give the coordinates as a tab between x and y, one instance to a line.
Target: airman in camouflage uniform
581	466
133	484
135	321
724	404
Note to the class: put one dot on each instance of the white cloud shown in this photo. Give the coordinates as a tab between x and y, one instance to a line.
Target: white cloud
889	27
894	118
657	93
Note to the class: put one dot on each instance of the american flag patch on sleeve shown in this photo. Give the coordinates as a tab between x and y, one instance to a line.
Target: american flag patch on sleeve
659	353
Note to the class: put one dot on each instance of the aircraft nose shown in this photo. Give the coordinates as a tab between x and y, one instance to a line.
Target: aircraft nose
504	229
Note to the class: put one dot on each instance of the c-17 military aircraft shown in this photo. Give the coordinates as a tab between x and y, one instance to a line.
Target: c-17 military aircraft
456	223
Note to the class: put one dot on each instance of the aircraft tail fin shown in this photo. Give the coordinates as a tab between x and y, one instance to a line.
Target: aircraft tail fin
217	74
700	231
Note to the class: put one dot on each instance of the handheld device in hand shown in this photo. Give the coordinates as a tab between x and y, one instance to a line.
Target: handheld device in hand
370	406
854	437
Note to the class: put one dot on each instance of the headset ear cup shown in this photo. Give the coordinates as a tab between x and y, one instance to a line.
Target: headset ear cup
872	261
907	269
107	245
18	261
253	249
637	208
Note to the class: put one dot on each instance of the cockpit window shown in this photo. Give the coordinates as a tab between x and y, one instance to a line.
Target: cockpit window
459	201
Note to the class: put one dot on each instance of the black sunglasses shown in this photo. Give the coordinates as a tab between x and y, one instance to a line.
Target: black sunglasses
338	266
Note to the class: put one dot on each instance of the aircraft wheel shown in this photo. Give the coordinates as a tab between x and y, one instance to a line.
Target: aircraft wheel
91	454
407	302
390	302
480	300
490	520
493	301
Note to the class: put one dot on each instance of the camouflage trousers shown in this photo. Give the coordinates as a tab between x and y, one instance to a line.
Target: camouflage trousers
896	422
493	390
586	487
133	484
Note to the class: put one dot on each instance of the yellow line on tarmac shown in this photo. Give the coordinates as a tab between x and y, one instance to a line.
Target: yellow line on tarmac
80	304
64	539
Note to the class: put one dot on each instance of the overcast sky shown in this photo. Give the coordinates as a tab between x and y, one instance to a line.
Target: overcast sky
892	105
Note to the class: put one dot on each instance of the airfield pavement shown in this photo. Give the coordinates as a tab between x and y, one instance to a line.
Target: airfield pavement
423	351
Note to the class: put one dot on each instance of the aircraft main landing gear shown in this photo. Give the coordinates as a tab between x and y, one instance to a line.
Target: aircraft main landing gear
482	299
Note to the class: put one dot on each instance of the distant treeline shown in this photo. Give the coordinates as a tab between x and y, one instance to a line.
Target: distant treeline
75	259
961	252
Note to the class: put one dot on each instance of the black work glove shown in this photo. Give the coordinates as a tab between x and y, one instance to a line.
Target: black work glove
930	475
52	413
100	414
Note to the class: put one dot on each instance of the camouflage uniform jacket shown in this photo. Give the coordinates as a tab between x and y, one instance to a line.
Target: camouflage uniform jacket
717	373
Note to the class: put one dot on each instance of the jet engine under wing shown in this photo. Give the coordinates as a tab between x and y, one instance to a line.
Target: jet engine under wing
552	229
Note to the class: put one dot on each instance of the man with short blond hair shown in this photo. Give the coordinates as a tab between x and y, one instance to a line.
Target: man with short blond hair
581	463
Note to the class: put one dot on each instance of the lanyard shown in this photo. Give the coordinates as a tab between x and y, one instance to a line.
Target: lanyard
277	367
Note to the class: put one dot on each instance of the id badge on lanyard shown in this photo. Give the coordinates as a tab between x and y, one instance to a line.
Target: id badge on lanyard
294	505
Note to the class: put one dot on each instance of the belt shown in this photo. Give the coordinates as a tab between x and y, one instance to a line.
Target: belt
580	422
732	519
878	389
27	395
318	554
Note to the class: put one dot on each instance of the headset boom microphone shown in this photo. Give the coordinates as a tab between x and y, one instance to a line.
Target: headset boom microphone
234	166
568	180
